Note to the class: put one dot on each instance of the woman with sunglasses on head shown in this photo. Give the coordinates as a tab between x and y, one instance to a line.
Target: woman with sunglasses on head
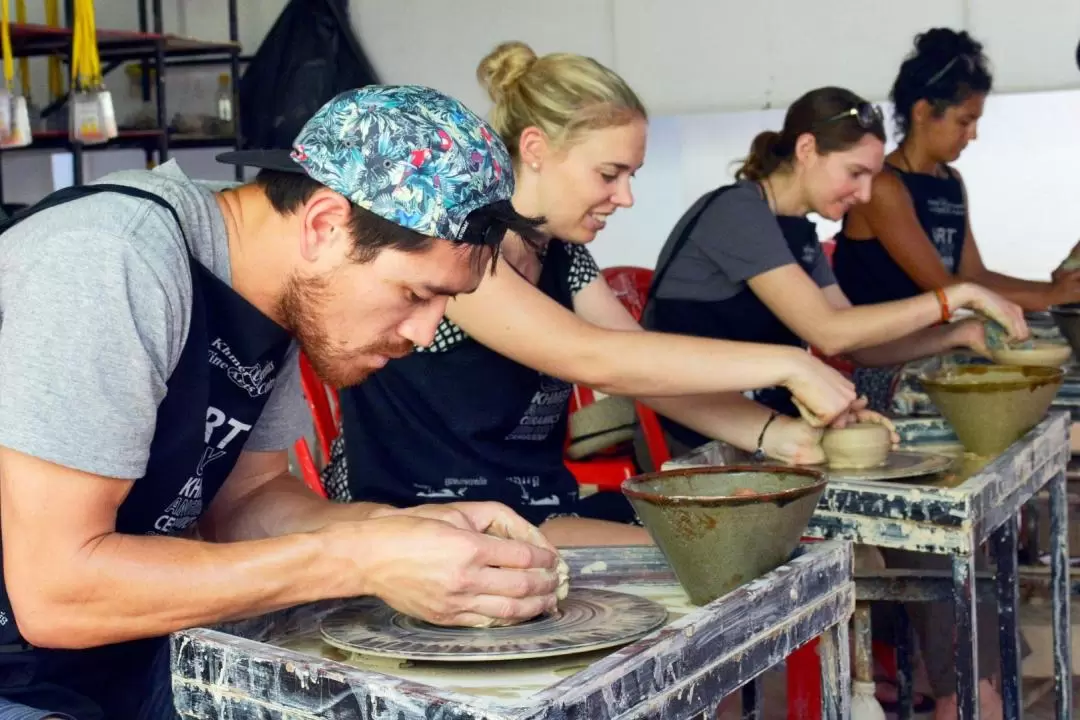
915	233
480	412
745	263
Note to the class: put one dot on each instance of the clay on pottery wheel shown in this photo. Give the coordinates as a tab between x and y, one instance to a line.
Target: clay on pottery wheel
859	446
1041	354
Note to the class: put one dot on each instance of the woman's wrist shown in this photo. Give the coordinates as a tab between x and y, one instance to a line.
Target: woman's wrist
953	297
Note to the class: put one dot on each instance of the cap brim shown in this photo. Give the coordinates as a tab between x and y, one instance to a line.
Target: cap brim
280	160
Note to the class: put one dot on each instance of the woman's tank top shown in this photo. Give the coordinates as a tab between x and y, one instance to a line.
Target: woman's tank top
868	274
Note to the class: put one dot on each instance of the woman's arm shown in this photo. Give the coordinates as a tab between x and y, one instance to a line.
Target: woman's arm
730	417
1029	294
923	343
512	317
802	306
890	216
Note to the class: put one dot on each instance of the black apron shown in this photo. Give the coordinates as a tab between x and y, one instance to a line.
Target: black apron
741	317
214	397
867	273
464	424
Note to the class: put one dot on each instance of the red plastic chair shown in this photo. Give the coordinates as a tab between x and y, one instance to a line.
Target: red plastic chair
607	471
325	406
631	286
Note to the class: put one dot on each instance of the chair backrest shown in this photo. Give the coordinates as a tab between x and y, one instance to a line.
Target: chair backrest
828	247
631	286
324	404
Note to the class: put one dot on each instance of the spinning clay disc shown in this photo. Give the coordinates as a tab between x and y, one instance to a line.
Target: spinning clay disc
589	619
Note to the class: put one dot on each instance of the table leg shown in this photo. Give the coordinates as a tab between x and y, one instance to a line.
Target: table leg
751	700
965	638
905	674
1003	543
1059	581
835	656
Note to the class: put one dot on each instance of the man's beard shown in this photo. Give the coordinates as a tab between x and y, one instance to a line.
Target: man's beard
302	309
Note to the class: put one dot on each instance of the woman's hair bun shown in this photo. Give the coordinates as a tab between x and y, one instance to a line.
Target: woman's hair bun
503	67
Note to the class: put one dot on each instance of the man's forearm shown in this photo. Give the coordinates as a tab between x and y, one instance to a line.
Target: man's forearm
282	506
124	587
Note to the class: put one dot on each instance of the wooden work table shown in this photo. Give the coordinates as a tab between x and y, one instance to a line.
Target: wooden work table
954	513
276	666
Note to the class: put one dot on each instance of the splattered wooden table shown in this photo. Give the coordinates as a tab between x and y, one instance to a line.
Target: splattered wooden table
276	667
953	514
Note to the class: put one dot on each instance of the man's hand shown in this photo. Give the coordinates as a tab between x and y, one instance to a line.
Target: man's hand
440	572
491	518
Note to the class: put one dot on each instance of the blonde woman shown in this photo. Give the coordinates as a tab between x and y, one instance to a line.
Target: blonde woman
480	413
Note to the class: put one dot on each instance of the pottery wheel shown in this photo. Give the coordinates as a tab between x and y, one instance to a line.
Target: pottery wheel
588	619
901	464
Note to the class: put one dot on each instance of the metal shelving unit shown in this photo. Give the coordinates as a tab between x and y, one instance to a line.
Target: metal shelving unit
156	51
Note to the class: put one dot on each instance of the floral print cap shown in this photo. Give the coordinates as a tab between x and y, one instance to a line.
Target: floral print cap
409	154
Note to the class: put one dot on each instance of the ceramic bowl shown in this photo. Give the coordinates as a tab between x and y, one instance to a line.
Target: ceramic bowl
1067	319
722	527
856	447
1041	354
991	406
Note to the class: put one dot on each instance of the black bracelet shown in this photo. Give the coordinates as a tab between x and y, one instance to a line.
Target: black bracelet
759	454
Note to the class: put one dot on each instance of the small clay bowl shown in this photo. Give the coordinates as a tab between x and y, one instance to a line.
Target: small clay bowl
857	447
1043	354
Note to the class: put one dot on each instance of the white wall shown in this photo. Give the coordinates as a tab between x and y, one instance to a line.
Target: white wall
1020	178
687	56
752	55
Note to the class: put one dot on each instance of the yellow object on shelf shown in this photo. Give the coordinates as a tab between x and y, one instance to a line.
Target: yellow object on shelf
56	77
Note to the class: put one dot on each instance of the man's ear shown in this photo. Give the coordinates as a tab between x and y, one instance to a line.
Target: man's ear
325	226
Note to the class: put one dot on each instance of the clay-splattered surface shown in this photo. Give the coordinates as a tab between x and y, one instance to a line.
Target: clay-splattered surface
269	668
509	681
952	512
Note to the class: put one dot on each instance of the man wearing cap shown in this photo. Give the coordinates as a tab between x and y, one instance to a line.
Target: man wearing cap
149	390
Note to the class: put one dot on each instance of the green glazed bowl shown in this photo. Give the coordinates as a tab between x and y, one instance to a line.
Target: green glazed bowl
716	540
992	406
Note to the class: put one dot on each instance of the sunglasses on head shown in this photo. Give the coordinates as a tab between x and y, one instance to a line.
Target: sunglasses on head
969	65
866	114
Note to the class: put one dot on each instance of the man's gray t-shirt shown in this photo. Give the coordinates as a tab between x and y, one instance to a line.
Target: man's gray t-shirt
736	238
95	305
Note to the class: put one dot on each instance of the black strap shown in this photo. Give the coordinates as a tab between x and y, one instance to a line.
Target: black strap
9	632
661	271
74	193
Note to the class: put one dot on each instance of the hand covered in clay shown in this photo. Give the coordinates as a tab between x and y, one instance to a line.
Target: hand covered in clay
498	520
820	392
447	570
970	333
793	442
862	415
990	305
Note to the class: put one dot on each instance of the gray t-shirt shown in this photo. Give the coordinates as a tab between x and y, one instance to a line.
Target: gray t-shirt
736	238
95	305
